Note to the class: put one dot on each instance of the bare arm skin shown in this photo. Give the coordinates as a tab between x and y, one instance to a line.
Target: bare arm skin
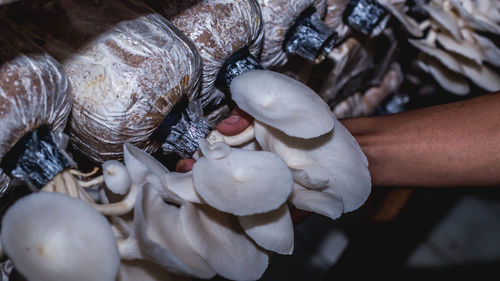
451	145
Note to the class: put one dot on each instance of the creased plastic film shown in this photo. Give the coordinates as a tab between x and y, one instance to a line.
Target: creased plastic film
128	66
34	91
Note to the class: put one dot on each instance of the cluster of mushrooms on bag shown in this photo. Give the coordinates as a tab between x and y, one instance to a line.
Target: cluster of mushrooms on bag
97	95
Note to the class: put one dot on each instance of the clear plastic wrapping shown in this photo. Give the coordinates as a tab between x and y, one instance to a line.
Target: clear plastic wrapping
127	65
34	91
218	28
334	16
278	17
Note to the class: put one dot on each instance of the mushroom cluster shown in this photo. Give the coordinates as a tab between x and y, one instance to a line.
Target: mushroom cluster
361	71
224	217
456	47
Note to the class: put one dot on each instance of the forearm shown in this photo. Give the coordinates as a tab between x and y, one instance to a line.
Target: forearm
456	144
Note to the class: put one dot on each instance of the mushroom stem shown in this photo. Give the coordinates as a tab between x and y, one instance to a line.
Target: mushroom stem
72	189
84	196
85	175
121	207
66	183
129	249
92	182
247	135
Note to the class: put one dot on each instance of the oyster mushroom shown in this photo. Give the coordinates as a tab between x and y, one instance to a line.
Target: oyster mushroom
51	236
491	52
444	18
443	57
334	157
116	177
454	25
247	182
474	17
396	8
182	185
218	237
323	154
161	237
141	168
449	80
279	101
272	231
326	204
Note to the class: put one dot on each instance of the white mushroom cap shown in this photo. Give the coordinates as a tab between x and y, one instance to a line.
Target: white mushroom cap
282	102
475	20
444	19
410	24
218	237
323	203
272	231
243	182
491	52
161	238
482	76
50	236
116	177
182	185
335	157
448	80
443	57
464	48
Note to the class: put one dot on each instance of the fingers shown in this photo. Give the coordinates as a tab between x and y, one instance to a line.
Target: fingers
298	215
236	123
185	165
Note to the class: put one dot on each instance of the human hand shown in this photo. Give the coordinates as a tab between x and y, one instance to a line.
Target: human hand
236	123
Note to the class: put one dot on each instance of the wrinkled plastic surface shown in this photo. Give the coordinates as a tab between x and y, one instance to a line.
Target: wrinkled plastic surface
218	28
34	91
334	17
180	130
35	158
278	17
128	66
